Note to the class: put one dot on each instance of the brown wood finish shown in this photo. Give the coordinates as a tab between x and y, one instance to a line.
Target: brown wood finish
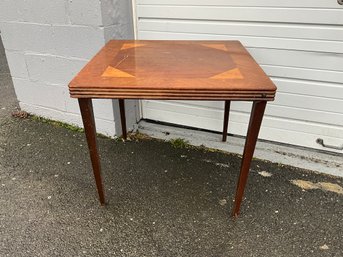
256	117
178	95
122	118
226	119
170	69
86	108
182	70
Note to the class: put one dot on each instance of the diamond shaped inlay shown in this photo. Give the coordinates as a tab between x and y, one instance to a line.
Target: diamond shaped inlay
161	60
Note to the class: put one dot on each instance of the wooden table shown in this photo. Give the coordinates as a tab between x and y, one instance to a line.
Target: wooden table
187	70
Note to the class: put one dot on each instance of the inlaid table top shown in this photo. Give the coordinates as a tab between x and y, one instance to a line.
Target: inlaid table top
182	70
199	70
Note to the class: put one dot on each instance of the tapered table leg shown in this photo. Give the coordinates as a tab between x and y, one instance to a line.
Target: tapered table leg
226	119
86	109
256	117
122	118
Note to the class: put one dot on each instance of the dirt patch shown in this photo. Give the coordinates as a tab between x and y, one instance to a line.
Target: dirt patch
308	185
265	173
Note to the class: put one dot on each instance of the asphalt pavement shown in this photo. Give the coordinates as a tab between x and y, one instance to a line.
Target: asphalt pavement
161	200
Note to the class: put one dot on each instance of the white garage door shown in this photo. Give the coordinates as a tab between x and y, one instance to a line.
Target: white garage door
299	44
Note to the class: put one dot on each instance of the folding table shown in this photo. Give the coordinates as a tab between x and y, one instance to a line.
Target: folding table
170	70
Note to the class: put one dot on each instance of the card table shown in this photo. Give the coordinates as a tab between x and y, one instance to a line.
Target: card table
174	70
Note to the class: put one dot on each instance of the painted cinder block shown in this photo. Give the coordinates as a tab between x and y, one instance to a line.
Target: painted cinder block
40	94
111	12
116	12
89	14
70	41
48	41
78	41
45	11
117	19
51	69
16	63
10	10
27	37
104	127
119	31
103	108
34	11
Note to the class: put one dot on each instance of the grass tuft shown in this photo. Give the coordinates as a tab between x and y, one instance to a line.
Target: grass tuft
179	143
56	123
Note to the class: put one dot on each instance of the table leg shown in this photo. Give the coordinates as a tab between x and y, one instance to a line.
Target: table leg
122	117
256	117
86	109
226	119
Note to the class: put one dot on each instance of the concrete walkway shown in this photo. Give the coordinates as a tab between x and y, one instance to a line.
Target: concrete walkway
162	200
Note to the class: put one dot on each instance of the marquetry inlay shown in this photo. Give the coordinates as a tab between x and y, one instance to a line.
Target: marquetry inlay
116	73
163	69
213	60
130	45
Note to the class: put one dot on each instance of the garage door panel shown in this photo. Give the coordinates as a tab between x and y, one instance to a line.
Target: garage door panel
290	58
299	44
214	119
301	59
275	134
257	14
264	3
308	102
267	42
207	108
309	88
297	137
239	28
304	74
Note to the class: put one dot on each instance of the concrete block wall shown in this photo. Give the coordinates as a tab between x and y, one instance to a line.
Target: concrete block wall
48	41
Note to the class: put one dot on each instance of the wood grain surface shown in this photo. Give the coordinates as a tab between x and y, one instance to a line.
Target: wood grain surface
199	70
